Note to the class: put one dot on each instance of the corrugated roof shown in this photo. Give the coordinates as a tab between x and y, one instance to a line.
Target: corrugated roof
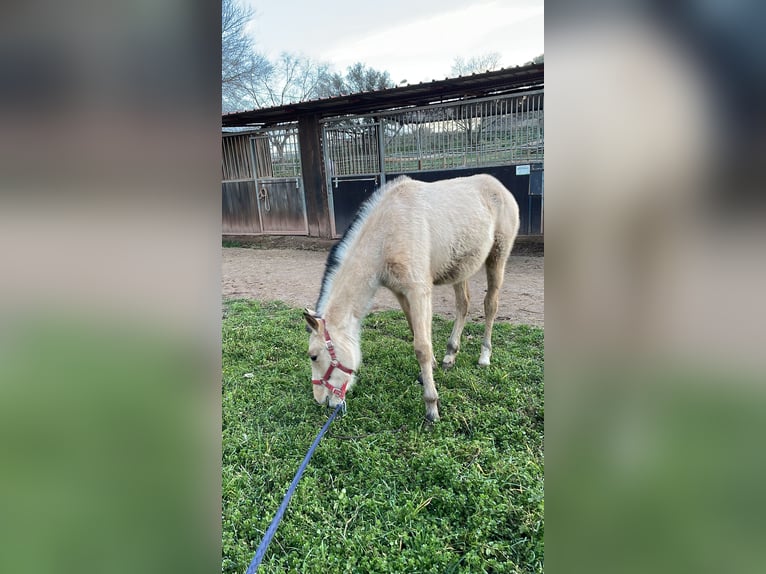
497	82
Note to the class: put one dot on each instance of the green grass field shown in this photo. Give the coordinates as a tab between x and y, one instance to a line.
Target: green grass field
384	492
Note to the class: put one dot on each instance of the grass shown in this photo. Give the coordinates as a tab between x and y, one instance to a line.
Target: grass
384	492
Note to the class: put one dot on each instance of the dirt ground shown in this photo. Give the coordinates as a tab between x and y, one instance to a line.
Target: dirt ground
294	276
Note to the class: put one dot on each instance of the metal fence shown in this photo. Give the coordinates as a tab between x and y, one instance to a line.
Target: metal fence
487	132
277	153
271	153
351	146
237	162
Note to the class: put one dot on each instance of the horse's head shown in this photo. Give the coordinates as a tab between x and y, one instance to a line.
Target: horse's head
331	360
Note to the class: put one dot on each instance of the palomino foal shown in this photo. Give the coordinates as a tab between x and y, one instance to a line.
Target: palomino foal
408	237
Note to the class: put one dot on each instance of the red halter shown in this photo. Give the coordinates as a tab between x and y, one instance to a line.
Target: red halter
334	364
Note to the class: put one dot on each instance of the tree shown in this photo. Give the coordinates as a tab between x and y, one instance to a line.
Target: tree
462	67
477	64
239	62
536	60
250	80
290	78
358	78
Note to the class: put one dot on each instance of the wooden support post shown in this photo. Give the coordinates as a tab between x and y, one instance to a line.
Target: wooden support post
314	183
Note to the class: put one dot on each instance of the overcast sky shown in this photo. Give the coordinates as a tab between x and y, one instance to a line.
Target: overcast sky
414	40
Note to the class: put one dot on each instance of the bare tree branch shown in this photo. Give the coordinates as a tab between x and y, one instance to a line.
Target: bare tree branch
483	63
239	62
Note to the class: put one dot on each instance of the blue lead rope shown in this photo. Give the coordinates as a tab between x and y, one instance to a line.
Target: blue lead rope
261	552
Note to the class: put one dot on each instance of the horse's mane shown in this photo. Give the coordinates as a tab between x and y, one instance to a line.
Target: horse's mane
339	250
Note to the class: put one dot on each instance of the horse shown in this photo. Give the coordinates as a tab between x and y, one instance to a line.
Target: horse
409	236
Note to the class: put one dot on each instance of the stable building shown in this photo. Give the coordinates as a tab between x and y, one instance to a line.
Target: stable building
305	168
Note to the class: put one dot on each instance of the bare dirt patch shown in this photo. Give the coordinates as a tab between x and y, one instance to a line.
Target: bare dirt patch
294	276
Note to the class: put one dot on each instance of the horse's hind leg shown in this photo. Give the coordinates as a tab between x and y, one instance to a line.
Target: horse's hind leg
462	298
495	273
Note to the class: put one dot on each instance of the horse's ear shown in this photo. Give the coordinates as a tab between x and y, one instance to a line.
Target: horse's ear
311	319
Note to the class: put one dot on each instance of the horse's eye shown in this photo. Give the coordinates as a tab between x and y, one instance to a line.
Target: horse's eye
313	357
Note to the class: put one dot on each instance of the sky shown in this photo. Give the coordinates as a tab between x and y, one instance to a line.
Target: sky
413	40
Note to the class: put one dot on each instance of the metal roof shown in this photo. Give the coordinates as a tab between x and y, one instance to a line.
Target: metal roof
503	81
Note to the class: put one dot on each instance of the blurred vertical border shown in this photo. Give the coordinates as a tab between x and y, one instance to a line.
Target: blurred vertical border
656	229
110	286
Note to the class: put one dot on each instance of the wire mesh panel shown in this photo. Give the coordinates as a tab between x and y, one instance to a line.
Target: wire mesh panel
277	153
486	132
351	147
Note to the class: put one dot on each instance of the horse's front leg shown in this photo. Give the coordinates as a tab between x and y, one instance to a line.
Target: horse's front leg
405	305
420	313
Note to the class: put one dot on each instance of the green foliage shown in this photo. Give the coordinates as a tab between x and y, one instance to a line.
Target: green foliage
358	78
384	492
536	60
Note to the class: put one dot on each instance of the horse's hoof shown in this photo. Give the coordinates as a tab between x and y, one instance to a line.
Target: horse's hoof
432	418
432	411
448	364
485	356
